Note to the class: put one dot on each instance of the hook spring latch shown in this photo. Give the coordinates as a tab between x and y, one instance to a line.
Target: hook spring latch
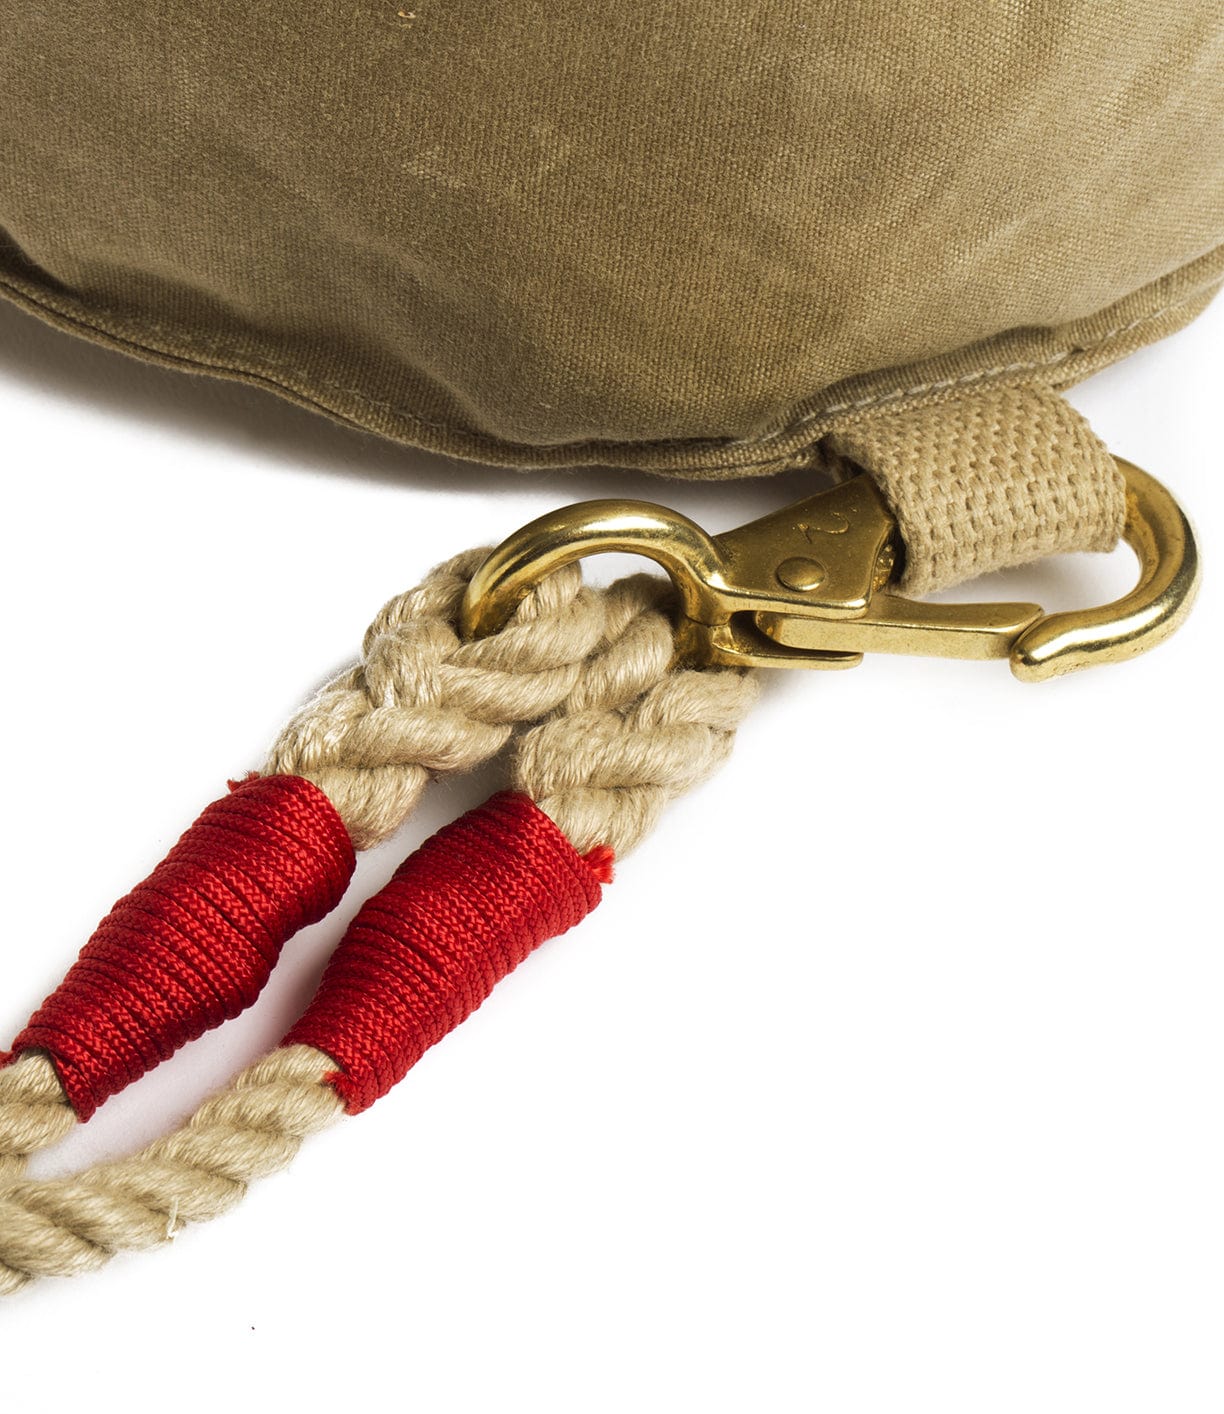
810	586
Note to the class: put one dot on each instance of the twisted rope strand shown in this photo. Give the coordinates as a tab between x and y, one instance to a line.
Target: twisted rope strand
624	731
420	701
34	1111
634	733
250	1129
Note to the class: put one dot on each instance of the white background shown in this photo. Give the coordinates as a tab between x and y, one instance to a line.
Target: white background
886	1078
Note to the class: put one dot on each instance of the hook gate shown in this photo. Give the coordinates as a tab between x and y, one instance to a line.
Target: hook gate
808	586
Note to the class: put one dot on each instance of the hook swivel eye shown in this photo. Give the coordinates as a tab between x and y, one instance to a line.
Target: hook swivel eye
758	597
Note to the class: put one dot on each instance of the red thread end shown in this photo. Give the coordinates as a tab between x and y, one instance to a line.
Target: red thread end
422	954
193	945
600	861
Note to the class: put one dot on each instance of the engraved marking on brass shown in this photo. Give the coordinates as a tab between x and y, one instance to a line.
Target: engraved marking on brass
836	524
746	601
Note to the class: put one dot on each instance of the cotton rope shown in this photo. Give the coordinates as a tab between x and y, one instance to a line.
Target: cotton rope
606	731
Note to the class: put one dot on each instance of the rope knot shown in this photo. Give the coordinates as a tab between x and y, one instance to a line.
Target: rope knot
422	700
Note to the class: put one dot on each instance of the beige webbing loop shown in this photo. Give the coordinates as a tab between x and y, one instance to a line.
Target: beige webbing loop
986	480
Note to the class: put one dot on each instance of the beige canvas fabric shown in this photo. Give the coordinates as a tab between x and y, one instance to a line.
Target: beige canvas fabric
691	237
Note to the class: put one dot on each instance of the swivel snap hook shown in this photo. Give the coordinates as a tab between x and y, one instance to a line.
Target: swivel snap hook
809	586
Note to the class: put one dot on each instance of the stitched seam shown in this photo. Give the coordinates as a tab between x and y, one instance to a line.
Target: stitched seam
878	400
201	350
479	438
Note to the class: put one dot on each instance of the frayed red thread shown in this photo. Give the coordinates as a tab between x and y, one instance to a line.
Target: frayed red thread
600	861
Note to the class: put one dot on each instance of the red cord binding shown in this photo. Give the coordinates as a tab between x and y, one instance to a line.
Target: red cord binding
193	945
422	954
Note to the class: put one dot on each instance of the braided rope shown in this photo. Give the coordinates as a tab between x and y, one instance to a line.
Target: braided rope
624	731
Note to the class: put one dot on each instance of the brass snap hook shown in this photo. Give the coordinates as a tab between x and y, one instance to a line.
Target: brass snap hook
807	586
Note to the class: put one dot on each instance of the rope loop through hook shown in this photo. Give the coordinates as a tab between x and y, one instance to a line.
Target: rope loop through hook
604	730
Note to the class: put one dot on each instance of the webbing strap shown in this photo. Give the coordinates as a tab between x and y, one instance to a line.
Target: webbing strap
995	478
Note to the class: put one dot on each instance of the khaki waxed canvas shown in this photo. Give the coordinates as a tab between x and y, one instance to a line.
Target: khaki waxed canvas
691	236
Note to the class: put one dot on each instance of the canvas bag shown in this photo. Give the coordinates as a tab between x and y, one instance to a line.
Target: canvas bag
692	237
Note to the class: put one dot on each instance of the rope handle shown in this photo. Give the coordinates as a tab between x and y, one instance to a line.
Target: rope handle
605	730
